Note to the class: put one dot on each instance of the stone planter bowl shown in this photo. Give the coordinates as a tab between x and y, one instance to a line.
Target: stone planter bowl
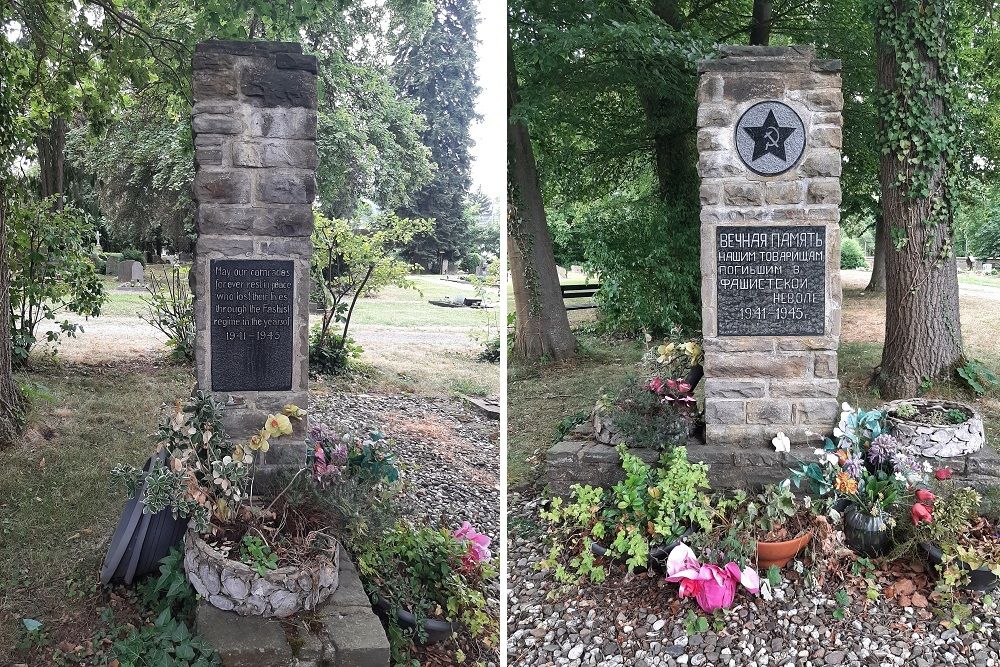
233	586
943	441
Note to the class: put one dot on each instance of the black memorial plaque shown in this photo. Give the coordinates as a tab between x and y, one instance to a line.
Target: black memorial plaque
771	281
252	303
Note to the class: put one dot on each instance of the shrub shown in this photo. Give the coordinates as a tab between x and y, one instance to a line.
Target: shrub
100	264
331	354
171	310
134	255
50	272
851	255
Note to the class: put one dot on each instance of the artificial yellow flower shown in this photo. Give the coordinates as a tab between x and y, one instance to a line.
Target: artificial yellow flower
654	492
845	483
278	425
259	442
665	351
693	350
293	411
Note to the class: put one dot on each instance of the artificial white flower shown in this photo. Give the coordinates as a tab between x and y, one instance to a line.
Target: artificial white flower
846	407
837	433
807	501
832	459
781	442
765	590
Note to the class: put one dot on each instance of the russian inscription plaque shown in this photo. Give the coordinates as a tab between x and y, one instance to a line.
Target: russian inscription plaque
771	281
251	330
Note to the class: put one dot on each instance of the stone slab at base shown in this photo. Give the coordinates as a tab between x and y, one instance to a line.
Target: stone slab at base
581	460
349	635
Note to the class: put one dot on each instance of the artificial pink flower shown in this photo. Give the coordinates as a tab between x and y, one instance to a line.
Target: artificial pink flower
925	496
320	467
943	473
478	543
920	512
655	385
683	387
711	586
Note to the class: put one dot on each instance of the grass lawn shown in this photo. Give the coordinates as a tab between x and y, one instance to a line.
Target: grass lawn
539	397
57	504
978	279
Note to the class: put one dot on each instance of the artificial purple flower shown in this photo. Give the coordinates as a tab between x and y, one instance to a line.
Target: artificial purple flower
853	466
882	449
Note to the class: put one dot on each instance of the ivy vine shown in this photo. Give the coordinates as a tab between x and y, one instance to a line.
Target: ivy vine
920	129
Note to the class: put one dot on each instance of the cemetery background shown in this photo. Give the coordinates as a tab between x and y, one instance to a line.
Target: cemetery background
127	165
618	193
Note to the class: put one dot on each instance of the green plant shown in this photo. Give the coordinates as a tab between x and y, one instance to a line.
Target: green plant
905	411
171	310
258	555
877	493
851	254
50	272
374	459
566	424
331	354
134	255
33	634
977	376
167	641
429	572
347	263
170	590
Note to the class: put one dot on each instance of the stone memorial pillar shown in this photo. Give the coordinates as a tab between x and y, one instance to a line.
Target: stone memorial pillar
769	143
254	122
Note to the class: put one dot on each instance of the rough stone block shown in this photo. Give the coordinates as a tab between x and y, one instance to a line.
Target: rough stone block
739	344
279	187
726	388
753	365
288	153
720	164
816	411
768	411
283	123
208	156
356	637
821	163
751	87
826	99
599	453
784	192
299	247
823	191
213	85
222	187
743	194
267	86
210	123
825	365
725	411
296	61
826	137
710	89
711	193
243	641
566	450
828	118
805	389
712	139
715	115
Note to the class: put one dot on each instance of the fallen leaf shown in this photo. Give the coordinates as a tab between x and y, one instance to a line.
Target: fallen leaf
41	464
905	587
918	600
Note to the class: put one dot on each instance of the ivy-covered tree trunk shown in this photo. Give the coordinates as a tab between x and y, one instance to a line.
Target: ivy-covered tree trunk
11	415
542	323
876	284
915	84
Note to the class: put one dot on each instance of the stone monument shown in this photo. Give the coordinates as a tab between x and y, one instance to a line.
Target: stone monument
254	122
769	142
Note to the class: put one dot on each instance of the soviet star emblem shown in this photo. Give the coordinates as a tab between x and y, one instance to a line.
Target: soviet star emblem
770	138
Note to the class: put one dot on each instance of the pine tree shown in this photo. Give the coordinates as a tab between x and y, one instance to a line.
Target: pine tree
438	70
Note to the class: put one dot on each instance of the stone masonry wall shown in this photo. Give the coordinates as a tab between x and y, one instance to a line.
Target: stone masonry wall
756	386
254	122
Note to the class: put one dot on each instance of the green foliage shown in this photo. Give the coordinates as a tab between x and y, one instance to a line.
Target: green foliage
167	641
349	262
374	460
955	416
977	376
645	419
50	272
650	507
436	67
331	354
258	555
567	423
851	255
170	590
134	255
171	310
906	410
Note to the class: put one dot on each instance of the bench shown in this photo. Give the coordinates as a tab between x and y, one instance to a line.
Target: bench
580	292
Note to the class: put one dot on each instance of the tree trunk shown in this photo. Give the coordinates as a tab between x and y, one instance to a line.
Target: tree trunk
11	404
923	335
51	160
542	324
876	285
760	24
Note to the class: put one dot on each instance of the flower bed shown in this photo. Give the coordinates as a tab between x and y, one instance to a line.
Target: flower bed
936	428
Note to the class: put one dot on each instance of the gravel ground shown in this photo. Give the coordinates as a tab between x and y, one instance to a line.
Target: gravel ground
450	453
640	622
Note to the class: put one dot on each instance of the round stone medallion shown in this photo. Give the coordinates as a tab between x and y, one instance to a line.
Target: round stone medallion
770	138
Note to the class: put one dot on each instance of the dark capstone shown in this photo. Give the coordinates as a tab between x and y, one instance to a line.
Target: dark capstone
297	61
831	66
247	48
284	188
272	87
215	62
221	187
771	281
208	155
251	332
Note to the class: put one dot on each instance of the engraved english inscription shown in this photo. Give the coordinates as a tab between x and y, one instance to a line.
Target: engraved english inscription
771	281
251	301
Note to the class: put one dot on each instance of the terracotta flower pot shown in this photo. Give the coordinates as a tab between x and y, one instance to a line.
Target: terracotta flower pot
779	553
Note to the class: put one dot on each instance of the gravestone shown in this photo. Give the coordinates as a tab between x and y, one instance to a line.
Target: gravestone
130	271
254	122
769	142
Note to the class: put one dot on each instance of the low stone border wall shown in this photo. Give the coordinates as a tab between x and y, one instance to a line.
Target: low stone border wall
347	632
580	458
